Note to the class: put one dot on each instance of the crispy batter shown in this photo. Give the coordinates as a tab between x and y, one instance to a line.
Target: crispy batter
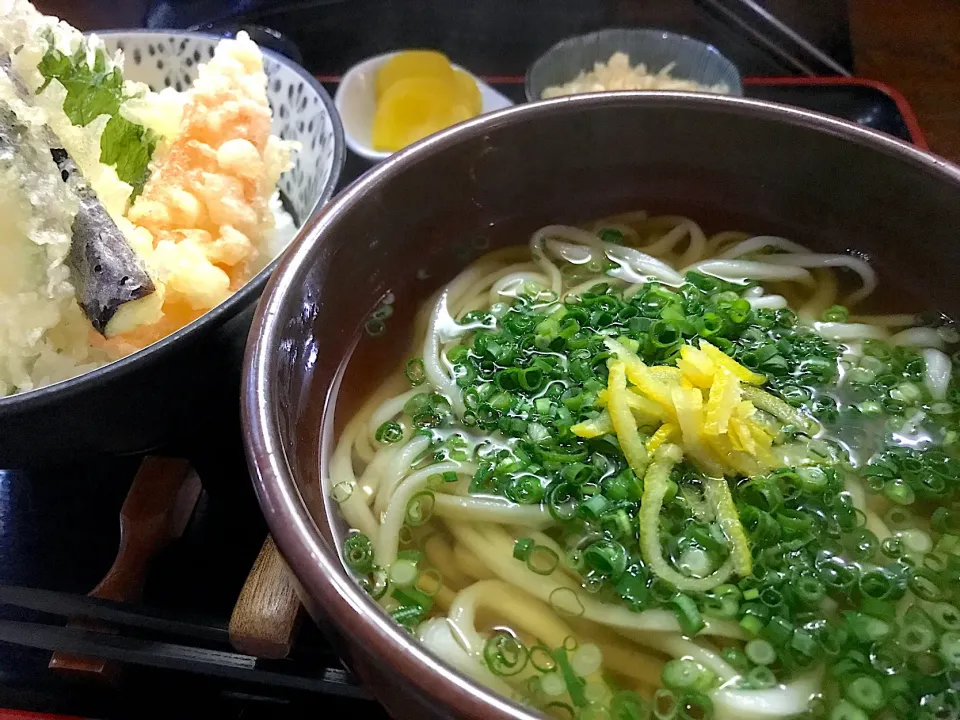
207	203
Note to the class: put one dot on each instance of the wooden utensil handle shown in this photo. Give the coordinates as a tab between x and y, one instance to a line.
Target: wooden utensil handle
155	511
266	616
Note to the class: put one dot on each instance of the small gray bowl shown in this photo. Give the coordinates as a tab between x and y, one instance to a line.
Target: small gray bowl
693	59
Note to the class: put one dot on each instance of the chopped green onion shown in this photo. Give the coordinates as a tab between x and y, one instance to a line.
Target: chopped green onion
803	642
525	490
688	614
358	553
722	602
760	678
542	560
556	709
504	655
666	705
778	631
892	547
917	633
684	674
838	575
586	659
429	582
866	693
771	597
860	376
610	235
809	590
837	314
542	659
522	548
899	492
628	705
415	371
760	652
695	706
926	585
403	573
866	628
420	508
417	404
607	557
632	588
877	584
736	658
944	614
594	507
695	561
950	649
845	710
708	324
565	601
573	682
752	624
389	432
563	501
377	583
414	556
413	606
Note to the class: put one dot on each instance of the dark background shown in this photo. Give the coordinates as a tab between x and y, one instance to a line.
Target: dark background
910	44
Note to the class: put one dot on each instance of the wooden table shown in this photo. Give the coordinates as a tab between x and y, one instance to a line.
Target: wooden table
914	45
910	44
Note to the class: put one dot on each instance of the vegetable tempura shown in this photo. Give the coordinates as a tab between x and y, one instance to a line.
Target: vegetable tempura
184	184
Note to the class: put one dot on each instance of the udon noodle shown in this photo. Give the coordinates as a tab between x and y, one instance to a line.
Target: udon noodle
632	470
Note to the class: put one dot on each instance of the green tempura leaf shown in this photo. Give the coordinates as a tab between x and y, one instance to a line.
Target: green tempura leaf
96	91
128	147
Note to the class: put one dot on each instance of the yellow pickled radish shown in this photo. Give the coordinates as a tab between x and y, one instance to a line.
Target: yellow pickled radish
469	92
414	108
413	64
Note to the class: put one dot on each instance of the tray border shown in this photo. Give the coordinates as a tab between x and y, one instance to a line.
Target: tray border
903	105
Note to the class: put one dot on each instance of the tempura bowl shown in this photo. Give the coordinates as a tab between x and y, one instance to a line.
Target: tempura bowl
424	213
178	394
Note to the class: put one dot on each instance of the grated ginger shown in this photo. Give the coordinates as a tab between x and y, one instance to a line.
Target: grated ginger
618	74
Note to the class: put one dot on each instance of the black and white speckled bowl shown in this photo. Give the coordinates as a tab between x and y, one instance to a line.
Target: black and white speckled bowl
693	60
181	392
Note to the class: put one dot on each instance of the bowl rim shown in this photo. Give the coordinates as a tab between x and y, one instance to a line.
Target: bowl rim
562	45
78	384
294	530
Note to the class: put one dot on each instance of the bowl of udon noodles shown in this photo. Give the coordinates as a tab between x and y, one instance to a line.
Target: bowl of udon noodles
626	406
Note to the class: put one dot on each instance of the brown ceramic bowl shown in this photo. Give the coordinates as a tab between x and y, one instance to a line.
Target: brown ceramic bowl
489	182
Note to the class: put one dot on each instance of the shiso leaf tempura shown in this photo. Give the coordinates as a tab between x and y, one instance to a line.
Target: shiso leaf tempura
634	470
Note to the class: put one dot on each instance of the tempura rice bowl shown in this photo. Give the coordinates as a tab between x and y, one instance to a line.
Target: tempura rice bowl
147	399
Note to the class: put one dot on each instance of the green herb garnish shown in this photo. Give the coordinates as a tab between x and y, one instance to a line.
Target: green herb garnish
95	91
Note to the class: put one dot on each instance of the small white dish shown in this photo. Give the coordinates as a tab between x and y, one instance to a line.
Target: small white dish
355	100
